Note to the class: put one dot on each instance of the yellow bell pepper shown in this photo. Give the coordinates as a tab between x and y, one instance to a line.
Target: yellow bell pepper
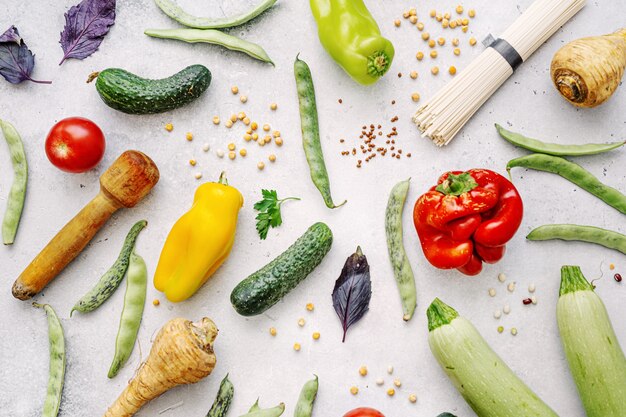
200	241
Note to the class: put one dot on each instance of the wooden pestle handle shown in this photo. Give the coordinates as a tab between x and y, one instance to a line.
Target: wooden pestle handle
124	184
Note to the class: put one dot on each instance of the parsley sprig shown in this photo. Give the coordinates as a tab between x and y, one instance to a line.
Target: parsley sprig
269	212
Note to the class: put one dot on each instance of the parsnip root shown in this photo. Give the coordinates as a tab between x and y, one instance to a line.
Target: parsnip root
182	353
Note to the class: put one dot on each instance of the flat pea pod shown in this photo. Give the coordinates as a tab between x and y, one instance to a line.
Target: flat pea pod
574	173
256	411
174	11
134	302
573	232
56	376
304	407
17	195
224	398
214	37
113	277
555	148
397	255
311	131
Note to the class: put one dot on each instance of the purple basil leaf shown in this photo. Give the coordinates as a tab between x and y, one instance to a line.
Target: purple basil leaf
16	60
353	290
86	25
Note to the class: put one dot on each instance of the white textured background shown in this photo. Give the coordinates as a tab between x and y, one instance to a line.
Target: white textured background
258	364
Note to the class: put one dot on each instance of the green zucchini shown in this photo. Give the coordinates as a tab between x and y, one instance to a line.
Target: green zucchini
224	398
488	385
270	284
595	358
129	93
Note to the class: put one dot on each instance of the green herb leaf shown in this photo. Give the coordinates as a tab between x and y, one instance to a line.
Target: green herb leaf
269	212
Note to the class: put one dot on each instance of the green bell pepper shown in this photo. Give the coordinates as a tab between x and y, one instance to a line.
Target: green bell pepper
351	36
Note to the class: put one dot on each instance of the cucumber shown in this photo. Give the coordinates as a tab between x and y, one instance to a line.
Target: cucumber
129	93
595	358
224	398
270	284
488	385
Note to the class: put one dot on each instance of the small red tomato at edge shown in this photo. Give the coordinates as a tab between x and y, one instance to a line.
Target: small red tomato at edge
364	412
75	144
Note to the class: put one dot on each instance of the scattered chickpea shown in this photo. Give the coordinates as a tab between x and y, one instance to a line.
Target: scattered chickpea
273	106
425	35
434	70
406	15
611	266
420	26
301	322
397	383
255	136
446	15
464	29
413	75
278	141
243	152
459	9
413	19
457	51
254	126
433	54
433	13
216	120
243	99
192	162
438	17
206	147
232	155
415	97
276	134
189	136
316	336
272	158
156	302
310	306
445	23
471	13
455	41
413	398
354	390
246	121
297	347
441	41
432	43
419	55
233	118
412	11
241	115
453	24
228	124
219	153
169	127
465	21
397	23
363	370
472	41
273	331
247	137
231	146
234	89
198	175
266	127
452	70
261	142
391	392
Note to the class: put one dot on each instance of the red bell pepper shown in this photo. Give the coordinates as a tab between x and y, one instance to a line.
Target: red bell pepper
467	218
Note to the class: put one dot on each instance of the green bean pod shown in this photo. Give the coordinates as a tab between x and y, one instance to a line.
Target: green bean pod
134	302
256	411
574	173
573	232
15	201
311	131
56	376
397	255
224	398
214	37
555	148
113	277
304	407
174	11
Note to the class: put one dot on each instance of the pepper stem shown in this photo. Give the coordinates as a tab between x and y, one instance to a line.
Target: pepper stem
457	184
223	180
378	63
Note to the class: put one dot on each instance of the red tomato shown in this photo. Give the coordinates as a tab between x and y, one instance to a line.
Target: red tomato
75	144
364	412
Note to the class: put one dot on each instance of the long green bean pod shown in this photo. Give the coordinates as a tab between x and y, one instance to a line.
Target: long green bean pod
573	173
170	8
134	302
109	282
56	376
397	255
556	149
311	131
17	195
595	358
304	407
573	232
214	37
224	398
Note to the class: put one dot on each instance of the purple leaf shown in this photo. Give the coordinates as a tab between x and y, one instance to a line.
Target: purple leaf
86	25
16	60
353	291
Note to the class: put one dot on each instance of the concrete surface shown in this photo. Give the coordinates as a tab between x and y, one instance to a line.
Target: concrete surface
259	365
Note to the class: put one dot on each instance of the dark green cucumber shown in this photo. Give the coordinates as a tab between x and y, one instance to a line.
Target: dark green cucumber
224	398
268	285
129	93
